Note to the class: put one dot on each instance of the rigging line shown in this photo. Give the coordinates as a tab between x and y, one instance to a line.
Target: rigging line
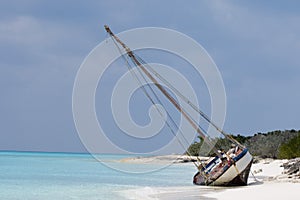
153	92
170	98
170	117
184	98
255	177
207	137
195	121
160	102
173	122
189	115
145	71
200	162
143	86
152	101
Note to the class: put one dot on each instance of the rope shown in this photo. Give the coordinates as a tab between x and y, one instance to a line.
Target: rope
153	102
193	122
184	98
208	138
255	177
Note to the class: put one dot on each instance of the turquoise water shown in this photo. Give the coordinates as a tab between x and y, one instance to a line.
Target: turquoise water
43	176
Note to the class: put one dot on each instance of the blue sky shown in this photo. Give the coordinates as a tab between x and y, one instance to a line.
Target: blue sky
255	45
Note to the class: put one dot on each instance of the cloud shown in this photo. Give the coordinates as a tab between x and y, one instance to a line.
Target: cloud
266	32
43	43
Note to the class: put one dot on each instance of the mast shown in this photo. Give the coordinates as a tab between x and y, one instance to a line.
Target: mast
184	98
164	91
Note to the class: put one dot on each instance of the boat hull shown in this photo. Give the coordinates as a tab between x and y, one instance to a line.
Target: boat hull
236	175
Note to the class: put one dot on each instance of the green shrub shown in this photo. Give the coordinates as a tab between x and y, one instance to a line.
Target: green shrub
274	144
194	148
291	149
267	145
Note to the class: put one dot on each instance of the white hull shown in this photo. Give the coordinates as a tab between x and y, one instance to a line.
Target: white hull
234	170
232	174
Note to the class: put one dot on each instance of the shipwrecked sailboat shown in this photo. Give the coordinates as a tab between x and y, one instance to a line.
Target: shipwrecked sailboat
227	168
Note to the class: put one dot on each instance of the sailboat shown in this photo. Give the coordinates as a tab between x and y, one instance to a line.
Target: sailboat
227	168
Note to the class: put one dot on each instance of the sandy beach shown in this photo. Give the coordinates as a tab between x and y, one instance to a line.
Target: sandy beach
266	181
270	183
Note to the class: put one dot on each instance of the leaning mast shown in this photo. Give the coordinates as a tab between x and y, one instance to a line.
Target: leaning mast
164	91
216	172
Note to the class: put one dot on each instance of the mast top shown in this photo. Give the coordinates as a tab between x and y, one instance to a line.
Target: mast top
107	29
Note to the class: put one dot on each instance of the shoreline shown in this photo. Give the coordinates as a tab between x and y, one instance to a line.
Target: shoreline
162	159
267	180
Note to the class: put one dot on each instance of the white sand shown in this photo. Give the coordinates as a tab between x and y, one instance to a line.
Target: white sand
164	159
272	184
268	183
169	193
271	190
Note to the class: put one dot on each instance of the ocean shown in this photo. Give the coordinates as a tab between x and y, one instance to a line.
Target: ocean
64	176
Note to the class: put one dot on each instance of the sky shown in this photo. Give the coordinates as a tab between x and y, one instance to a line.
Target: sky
255	45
